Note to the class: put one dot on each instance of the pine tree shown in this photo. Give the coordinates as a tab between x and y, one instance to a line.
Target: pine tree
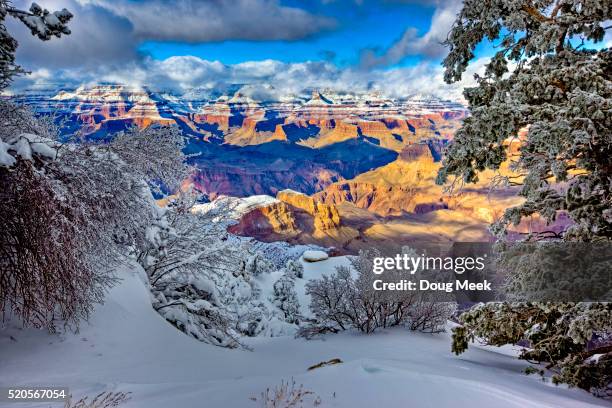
549	76
572	339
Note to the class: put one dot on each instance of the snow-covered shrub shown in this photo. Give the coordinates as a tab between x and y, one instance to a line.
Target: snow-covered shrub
342	300
46	272
285	297
257	264
204	283
183	261
573	339
155	154
294	268
46	268
70	213
196	312
430	314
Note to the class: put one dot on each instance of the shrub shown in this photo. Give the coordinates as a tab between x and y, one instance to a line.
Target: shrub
70	213
102	400
295	268
45	272
287	395
202	281
285	298
341	301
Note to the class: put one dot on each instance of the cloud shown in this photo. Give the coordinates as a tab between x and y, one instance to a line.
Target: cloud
202	21
98	37
410	43
106	35
110	32
607	40
268	79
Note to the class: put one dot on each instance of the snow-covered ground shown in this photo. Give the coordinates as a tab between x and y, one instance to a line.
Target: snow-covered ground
128	347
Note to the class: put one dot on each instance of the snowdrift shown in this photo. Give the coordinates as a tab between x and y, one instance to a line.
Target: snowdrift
128	347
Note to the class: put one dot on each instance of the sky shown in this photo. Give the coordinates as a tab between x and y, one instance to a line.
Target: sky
393	46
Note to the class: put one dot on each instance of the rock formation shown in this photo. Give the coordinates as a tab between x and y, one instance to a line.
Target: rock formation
292	215
394	189
324	216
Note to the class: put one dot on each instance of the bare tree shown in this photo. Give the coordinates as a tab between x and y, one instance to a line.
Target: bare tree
342	301
44	273
70	213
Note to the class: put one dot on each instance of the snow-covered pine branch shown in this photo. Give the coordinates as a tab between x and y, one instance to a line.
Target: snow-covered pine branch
563	335
542	78
41	22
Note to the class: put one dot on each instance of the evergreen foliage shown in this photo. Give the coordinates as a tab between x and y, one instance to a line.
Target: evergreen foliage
572	339
548	76
552	79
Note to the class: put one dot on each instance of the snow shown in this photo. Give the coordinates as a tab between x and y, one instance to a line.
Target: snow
594	358
234	207
318	100
6	159
315	270
314	256
25	145
105	94
294	192
128	347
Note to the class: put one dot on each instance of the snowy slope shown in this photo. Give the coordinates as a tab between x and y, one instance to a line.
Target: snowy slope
128	347
234	207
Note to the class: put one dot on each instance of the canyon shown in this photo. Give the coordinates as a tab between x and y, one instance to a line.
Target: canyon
388	207
241	146
348	170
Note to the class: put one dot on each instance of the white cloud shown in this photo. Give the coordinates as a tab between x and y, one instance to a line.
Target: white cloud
105	36
200	21
267	79
107	32
410	43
